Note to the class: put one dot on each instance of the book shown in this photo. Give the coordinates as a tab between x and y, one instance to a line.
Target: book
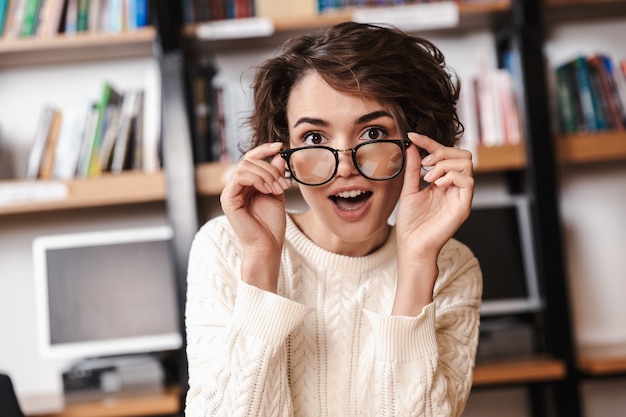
150	136
606	93
109	136
123	142
38	145
619	80
84	157
586	95
285	8
109	97
29	22
69	144
71	17
4	7
50	17
565	98
139	17
116	13
82	15
14	19
47	158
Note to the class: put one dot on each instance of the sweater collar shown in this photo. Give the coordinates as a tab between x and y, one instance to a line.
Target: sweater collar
326	260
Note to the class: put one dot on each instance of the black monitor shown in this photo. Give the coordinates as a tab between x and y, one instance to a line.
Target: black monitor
499	233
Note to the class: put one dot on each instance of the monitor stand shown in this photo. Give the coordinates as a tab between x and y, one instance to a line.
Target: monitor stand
98	378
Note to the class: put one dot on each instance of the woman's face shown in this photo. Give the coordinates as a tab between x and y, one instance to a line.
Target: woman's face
349	213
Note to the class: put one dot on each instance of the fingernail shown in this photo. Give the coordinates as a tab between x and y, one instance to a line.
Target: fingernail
269	188
278	188
284	183
427	160
428	176
276	145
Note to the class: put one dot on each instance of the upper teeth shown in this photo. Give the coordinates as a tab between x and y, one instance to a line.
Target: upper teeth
349	194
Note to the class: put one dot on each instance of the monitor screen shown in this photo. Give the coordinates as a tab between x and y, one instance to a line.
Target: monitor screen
105	293
498	231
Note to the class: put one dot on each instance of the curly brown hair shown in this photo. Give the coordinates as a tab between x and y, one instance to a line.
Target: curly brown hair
405	73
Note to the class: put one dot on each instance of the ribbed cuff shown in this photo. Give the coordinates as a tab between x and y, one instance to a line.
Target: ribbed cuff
403	339
264	315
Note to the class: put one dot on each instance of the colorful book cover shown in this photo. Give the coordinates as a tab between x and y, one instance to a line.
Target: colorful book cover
4	6
30	18
82	16
109	97
589	103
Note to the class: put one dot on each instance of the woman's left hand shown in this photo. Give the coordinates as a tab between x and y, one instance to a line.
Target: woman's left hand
428	217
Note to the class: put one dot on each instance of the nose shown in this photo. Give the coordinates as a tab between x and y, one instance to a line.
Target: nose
346	166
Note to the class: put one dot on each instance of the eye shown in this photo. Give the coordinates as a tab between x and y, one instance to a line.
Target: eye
374	133
313	138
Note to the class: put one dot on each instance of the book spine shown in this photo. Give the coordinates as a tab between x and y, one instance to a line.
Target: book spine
30	18
565	102
4	6
588	102
141	13
47	160
71	17
82	15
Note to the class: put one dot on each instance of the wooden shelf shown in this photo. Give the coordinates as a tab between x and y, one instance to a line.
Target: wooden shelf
602	360
167	403
471	15
105	190
597	147
500	158
81	47
583	10
519	371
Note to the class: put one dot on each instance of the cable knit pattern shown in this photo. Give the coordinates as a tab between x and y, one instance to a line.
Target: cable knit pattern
326	345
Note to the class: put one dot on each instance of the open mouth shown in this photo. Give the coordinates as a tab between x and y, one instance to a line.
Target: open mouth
351	200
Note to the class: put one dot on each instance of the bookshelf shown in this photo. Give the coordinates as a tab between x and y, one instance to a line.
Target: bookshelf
81	47
594	150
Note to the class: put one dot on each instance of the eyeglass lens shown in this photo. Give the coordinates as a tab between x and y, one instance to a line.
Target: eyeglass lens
374	160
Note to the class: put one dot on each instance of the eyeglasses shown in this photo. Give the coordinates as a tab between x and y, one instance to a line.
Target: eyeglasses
376	160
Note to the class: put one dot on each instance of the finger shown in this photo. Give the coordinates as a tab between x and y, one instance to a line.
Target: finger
464	166
264	150
457	179
411	171
257	174
437	151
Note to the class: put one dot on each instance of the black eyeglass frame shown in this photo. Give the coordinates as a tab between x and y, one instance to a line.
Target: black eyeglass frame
402	143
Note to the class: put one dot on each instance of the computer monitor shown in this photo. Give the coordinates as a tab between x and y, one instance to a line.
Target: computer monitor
105	293
499	233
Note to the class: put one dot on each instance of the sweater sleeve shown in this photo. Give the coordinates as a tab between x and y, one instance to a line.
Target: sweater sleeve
423	366
236	334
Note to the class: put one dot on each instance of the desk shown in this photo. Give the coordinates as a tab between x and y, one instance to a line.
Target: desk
167	402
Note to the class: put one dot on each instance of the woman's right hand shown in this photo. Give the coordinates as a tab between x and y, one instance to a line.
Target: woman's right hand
253	200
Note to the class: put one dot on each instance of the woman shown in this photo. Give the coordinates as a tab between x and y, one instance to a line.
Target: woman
333	311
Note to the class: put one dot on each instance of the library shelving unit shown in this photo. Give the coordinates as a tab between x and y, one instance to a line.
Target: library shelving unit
591	148
125	189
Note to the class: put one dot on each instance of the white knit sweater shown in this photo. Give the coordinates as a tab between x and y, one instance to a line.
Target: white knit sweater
326	345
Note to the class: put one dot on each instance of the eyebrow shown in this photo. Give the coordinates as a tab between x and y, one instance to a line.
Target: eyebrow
363	119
